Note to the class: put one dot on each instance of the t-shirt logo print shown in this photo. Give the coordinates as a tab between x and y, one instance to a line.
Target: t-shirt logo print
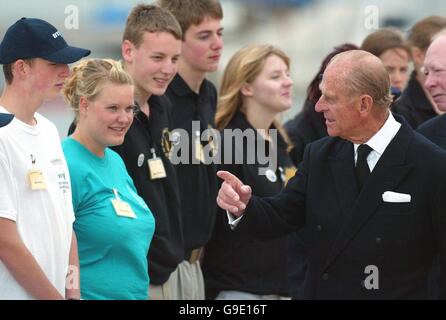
211	141
166	143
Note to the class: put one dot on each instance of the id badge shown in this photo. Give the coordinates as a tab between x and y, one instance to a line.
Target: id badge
123	209
36	180
156	168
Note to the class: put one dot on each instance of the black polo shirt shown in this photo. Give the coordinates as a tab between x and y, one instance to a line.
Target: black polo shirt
233	261
197	182
161	195
413	104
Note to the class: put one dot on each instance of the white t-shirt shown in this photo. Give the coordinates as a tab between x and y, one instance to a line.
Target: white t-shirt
44	218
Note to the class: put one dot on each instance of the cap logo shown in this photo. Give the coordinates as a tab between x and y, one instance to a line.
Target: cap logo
56	34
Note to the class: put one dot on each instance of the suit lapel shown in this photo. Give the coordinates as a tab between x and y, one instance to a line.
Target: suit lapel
386	176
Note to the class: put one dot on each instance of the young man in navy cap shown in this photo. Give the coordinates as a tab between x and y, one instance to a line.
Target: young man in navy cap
37	246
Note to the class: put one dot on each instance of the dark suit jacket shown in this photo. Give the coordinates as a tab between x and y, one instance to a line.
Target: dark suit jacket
435	130
413	104
307	126
348	232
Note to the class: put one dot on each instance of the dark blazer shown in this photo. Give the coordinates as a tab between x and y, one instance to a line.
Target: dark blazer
435	130
413	104
307	126
348	232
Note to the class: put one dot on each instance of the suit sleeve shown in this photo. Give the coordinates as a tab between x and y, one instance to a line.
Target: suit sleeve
439	224
274	217
8	197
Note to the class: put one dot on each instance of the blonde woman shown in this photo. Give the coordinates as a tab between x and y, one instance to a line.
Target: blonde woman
256	87
113	224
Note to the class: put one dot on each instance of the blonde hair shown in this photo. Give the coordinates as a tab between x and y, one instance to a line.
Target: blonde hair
89	77
244	67
149	18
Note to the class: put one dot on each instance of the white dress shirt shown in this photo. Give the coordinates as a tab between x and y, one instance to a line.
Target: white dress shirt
379	141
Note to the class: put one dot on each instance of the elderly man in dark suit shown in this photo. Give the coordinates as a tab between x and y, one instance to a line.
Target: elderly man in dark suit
435	129
435	72
372	196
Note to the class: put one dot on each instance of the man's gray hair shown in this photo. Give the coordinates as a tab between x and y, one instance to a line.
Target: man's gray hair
366	75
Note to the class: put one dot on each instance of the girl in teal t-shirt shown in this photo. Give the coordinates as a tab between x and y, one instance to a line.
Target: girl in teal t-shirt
113	224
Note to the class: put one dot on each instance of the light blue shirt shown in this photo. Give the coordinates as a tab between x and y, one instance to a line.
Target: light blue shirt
112	249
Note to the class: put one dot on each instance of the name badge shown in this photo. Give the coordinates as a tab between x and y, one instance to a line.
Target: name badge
156	168
35	176
122	208
36	180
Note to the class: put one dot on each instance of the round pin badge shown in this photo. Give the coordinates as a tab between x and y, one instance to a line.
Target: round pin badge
175	138
271	175
141	160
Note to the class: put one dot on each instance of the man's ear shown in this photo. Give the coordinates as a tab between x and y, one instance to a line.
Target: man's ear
126	50
20	69
366	104
246	90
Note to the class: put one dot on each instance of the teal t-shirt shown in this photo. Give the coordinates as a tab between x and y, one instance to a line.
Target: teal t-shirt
112	249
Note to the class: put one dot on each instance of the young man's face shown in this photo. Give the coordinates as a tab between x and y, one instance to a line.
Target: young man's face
154	63
202	45
46	78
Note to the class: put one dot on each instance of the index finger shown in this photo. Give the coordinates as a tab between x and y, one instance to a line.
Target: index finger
229	178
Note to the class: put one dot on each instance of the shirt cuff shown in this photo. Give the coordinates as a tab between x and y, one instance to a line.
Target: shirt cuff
233	222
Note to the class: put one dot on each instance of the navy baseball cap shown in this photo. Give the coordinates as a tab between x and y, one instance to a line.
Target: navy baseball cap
35	38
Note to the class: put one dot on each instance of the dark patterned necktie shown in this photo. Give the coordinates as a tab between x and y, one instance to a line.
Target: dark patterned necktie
362	169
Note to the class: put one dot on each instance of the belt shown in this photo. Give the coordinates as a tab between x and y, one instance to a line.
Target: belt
195	255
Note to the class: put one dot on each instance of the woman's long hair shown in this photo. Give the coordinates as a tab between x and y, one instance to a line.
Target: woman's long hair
244	67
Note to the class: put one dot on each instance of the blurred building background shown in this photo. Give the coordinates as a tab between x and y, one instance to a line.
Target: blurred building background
306	29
